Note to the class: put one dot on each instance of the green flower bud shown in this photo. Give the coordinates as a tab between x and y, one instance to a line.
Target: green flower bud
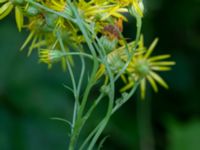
32	11
105	89
51	19
50	56
108	44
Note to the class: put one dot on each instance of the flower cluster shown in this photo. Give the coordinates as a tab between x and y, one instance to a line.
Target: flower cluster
63	29
51	20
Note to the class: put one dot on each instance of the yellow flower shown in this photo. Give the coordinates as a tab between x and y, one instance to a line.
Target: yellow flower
136	6
8	6
100	9
58	5
143	67
37	36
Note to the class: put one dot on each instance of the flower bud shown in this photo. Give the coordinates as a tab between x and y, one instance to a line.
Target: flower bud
51	19
32	11
105	89
137	8
108	44
50	56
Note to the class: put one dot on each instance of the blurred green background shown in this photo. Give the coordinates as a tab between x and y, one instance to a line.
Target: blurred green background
30	94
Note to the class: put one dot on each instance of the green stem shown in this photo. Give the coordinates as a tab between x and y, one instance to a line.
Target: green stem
111	99
103	125
80	54
139	27
79	120
61	14
124	100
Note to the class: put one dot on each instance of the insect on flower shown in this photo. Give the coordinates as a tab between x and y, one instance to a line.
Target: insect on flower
113	31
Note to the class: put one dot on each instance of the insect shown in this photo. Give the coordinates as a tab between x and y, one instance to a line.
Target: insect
113	31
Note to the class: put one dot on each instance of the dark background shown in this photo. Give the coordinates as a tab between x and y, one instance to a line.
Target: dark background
30	94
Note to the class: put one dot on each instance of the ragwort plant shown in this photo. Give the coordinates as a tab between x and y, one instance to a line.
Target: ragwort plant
61	30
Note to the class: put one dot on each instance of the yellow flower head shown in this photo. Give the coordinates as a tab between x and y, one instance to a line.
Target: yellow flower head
100	10
136	6
143	67
58	5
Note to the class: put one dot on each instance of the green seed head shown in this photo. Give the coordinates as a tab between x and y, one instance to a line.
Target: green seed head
142	67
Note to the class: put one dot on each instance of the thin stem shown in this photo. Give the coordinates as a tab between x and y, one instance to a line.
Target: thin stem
81	75
69	66
110	109
125	99
79	122
87	115
103	125
139	27
80	83
74	116
144	124
92	78
80	54
111	98
105	120
62	14
75	92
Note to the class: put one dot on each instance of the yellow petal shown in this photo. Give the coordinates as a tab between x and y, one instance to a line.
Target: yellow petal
113	10
30	36
127	86
157	68
138	7
160	57
123	78
32	46
153	83
5	9
163	63
19	18
100	72
159	79
151	48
